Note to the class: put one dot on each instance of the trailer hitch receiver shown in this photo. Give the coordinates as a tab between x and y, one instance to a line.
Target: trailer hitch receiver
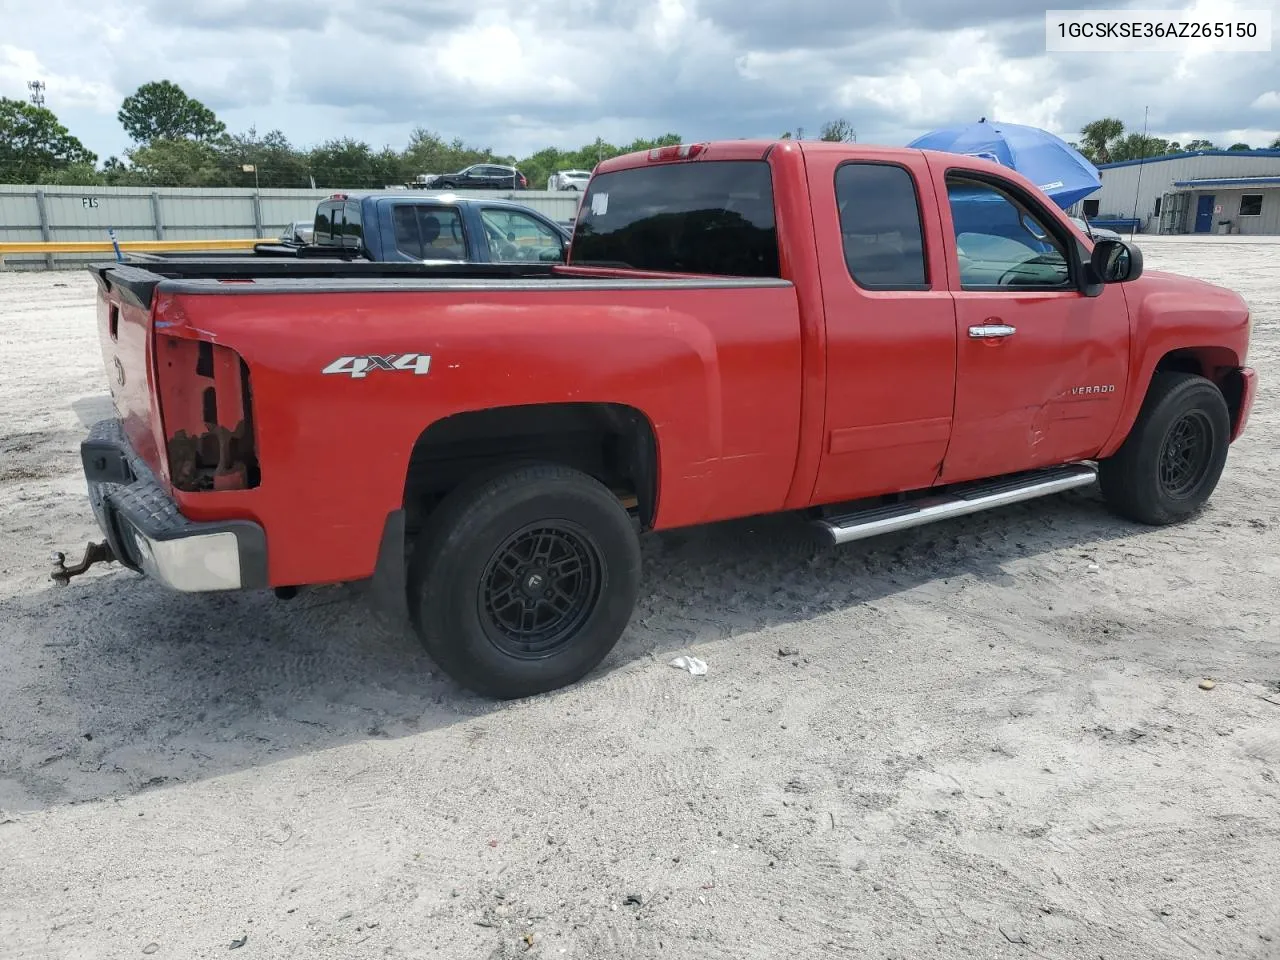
93	553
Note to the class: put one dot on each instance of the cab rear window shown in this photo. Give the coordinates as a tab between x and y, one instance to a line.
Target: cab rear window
700	217
338	224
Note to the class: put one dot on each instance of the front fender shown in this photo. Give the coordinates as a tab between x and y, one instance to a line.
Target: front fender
1177	318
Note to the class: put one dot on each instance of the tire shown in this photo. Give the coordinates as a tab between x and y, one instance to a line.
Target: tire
447	185
482	606
1147	480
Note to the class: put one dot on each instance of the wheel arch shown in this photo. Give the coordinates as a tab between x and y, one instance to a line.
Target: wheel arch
614	443
1220	365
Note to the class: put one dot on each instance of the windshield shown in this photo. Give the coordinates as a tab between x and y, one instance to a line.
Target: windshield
709	217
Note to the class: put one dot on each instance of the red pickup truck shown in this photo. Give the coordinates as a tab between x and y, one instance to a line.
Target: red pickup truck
875	337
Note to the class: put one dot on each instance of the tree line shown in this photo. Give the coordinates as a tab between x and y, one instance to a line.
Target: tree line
1105	141
180	142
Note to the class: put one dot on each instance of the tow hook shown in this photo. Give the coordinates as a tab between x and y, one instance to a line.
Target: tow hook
93	553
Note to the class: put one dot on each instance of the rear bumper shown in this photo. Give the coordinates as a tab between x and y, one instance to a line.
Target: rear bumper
1248	389
147	533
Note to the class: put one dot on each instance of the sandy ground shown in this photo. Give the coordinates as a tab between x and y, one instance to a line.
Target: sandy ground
990	743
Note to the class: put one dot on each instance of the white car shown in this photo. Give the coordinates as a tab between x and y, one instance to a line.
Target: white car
569	180
1095	233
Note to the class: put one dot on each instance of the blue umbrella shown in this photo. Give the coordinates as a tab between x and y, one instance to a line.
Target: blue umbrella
1049	162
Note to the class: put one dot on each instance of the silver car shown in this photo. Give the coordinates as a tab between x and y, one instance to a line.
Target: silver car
569	180
300	231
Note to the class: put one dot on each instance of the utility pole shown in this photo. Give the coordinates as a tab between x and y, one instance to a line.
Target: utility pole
37	88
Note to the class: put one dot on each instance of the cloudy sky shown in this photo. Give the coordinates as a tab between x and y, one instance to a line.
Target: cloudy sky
518	75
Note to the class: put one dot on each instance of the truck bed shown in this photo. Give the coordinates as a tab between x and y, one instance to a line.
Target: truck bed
267	248
249	267
242	275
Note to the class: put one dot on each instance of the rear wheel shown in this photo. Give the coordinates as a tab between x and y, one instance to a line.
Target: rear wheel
1171	462
523	581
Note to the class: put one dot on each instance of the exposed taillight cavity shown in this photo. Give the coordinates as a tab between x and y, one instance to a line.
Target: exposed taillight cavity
206	407
682	151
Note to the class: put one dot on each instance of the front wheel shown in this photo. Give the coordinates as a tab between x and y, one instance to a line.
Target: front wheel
1171	462
523	581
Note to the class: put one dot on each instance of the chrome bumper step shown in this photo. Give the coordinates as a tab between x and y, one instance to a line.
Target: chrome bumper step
956	502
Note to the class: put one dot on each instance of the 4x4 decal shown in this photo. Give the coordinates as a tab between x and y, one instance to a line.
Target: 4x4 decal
357	367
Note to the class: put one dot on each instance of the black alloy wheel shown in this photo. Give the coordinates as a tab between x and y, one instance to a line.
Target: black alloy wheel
1174	455
539	587
1187	454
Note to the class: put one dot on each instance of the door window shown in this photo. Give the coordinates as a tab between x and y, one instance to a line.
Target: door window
429	233
1001	243
351	228
514	236
880	226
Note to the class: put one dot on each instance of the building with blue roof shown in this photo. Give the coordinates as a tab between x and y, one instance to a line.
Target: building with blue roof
1207	191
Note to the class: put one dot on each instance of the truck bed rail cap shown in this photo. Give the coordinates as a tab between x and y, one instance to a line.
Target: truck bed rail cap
446	285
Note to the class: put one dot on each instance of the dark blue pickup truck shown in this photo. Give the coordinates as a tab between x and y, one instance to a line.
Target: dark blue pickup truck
391	227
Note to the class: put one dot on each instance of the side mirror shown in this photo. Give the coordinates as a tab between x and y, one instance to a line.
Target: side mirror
1114	261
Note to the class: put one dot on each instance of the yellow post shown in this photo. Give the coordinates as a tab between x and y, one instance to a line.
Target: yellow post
138	246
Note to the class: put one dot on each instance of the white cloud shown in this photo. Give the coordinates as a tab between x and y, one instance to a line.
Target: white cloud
958	78
495	57
64	90
519	75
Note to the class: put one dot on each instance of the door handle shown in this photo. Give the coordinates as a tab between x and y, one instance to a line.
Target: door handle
991	331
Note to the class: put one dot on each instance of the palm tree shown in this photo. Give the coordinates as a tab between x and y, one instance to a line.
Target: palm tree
1096	138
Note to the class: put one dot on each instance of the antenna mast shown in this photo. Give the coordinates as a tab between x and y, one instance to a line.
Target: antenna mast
1142	157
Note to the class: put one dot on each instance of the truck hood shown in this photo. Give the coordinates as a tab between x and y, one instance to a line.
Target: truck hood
1195	312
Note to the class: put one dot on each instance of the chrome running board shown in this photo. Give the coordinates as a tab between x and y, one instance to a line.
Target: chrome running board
956	502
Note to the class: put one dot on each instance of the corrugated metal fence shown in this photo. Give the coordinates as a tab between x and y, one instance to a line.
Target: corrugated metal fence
179	213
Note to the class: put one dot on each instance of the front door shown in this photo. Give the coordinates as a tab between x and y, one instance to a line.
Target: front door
890	325
1204	213
1041	368
515	235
